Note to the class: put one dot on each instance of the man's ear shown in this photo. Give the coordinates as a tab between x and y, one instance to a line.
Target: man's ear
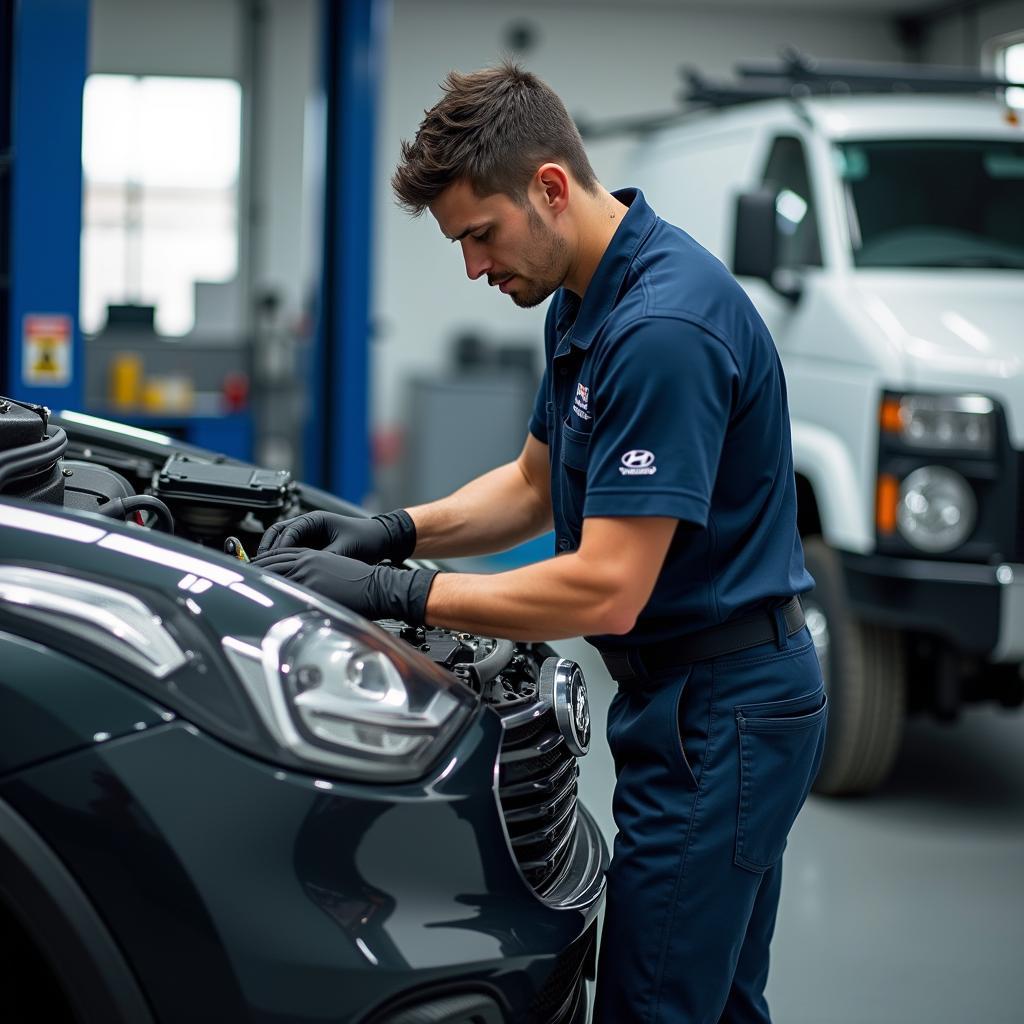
551	186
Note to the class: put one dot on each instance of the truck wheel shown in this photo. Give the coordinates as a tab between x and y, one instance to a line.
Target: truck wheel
863	668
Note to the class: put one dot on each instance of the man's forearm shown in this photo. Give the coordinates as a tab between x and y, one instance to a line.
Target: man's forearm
495	511
562	597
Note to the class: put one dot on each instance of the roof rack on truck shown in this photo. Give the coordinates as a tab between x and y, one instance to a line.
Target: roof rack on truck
797	76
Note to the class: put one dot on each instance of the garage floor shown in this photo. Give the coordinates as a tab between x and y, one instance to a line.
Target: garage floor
901	908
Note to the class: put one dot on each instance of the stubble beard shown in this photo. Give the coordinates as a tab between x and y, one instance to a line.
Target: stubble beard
547	266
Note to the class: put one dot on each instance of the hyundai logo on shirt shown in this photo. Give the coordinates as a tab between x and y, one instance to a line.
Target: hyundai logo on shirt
638	462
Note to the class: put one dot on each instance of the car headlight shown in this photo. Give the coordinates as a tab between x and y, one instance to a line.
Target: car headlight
309	685
349	700
948	423
937	510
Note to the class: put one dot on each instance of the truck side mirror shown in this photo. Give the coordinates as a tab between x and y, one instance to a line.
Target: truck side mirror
756	244
755	249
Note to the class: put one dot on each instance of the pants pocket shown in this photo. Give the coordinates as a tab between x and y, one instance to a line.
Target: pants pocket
644	734
780	747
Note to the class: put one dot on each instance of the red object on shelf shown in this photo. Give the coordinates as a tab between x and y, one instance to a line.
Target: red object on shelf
235	390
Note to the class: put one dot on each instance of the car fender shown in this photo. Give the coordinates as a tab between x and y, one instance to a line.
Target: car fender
66	928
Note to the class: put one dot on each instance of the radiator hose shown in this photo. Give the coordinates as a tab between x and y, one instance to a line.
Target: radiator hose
120	508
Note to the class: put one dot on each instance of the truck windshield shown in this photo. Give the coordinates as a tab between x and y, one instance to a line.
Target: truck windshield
943	203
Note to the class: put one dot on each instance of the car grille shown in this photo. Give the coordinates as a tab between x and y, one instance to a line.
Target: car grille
556	1000
537	787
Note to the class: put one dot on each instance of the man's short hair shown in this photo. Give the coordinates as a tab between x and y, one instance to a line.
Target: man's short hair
492	128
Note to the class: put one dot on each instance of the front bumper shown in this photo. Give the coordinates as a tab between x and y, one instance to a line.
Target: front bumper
978	609
240	891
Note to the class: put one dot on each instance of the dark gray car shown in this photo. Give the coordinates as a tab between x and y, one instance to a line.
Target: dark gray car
224	798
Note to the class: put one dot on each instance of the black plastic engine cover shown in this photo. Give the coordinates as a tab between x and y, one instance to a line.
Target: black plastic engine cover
186	478
88	486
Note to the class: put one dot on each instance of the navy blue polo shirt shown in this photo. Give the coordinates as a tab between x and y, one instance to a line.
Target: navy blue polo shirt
663	395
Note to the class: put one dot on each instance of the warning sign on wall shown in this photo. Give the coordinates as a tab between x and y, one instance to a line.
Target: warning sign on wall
46	349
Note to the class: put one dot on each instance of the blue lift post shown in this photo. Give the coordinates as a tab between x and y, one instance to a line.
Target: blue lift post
47	55
6	84
44	357
43	67
337	446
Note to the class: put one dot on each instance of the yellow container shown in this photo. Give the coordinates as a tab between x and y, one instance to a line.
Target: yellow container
126	380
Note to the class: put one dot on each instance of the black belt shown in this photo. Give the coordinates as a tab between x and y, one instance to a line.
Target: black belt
728	638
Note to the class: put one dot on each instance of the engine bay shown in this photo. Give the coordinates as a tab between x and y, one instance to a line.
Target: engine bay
213	501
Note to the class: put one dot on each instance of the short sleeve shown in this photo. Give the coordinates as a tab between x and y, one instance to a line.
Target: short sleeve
539	417
663	399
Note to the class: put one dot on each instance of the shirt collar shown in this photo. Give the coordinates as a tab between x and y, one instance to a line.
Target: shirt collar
604	287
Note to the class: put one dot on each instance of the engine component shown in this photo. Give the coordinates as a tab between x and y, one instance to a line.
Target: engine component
94	488
134	467
211	497
491	664
233	546
88	486
121	508
30	453
20	424
498	670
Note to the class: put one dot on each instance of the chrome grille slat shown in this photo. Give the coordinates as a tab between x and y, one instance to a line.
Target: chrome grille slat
538	793
548	744
516	815
562	846
548	832
538	786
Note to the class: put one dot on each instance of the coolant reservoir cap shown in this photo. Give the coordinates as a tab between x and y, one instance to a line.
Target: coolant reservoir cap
562	685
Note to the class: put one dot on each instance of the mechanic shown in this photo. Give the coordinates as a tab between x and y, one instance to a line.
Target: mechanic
659	450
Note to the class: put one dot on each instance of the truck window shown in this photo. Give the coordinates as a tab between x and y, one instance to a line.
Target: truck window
935	203
787	172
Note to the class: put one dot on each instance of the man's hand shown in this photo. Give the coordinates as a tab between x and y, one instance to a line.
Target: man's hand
390	536
373	591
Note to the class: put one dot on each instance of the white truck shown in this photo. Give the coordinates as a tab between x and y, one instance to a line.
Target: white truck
881	238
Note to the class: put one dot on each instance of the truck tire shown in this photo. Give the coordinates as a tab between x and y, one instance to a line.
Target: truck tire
864	670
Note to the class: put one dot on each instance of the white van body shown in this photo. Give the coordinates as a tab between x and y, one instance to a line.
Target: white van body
853	335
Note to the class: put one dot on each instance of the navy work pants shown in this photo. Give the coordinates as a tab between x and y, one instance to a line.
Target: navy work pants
713	761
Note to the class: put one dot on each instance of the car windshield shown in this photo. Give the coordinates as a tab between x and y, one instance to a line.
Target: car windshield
944	203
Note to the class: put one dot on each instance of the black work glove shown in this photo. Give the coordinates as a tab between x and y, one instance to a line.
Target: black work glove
391	535
373	591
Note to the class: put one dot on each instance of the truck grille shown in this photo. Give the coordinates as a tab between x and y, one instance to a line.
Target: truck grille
537	787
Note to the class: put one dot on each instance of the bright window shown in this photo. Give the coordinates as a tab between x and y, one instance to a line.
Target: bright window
160	161
1011	66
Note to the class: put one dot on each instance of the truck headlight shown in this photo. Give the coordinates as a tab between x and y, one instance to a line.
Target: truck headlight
936	510
349	700
947	423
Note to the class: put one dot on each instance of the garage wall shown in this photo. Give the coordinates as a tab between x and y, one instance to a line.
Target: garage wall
603	62
186	37
960	37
